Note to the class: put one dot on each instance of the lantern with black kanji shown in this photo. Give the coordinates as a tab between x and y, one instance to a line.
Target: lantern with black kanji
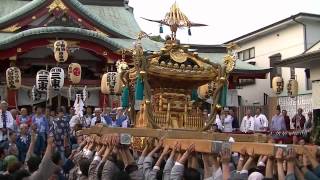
277	84
103	86
74	72
60	51
56	78
206	91
42	80
111	82
292	88
13	77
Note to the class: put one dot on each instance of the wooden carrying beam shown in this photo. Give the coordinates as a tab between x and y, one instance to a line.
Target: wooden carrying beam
207	146
174	134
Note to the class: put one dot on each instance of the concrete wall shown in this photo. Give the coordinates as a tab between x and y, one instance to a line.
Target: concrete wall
289	42
315	77
313	32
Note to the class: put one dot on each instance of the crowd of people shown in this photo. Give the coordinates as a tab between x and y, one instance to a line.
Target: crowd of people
226	121
42	145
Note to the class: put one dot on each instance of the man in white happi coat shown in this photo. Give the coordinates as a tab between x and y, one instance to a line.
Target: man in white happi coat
247	123
6	121
98	118
227	123
260	121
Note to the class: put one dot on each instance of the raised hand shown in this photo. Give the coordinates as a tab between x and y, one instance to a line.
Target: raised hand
279	155
225	155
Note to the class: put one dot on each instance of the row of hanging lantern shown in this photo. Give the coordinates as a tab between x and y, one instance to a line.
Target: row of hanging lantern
44	78
278	86
13	78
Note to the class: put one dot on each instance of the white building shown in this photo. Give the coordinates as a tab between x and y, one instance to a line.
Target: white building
268	45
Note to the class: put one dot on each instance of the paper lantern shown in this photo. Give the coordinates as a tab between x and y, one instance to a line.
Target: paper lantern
118	85
74	72
111	82
60	51
206	91
35	94
56	78
13	76
277	84
103	86
42	80
292	88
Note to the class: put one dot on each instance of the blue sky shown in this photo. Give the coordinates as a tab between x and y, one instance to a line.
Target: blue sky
227	19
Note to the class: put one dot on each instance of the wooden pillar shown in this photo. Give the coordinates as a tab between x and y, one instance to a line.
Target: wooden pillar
12	98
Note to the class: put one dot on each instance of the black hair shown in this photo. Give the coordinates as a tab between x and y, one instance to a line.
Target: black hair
37	107
191	174
2	151
121	175
84	166
6	177
21	174
120	164
33	163
12	168
100	168
60	109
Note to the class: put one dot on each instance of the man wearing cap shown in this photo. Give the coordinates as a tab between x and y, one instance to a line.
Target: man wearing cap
6	121
98	118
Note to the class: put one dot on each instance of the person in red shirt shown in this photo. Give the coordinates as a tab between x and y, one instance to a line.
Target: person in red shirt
286	119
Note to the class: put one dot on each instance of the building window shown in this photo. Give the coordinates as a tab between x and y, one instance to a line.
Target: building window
246	54
275	71
308	80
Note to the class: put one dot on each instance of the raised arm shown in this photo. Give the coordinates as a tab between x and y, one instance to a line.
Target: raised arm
279	157
31	146
178	168
225	158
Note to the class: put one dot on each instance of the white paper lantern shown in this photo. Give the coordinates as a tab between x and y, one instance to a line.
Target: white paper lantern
42	80
277	84
111	82
74	72
206	91
61	51
56	78
103	86
292	88
13	77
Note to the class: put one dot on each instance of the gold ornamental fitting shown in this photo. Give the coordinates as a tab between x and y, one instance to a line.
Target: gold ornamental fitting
163	49
222	79
218	106
147	101
142	72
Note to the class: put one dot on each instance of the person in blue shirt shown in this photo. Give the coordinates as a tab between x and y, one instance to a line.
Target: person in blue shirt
61	133
117	119
41	124
23	141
